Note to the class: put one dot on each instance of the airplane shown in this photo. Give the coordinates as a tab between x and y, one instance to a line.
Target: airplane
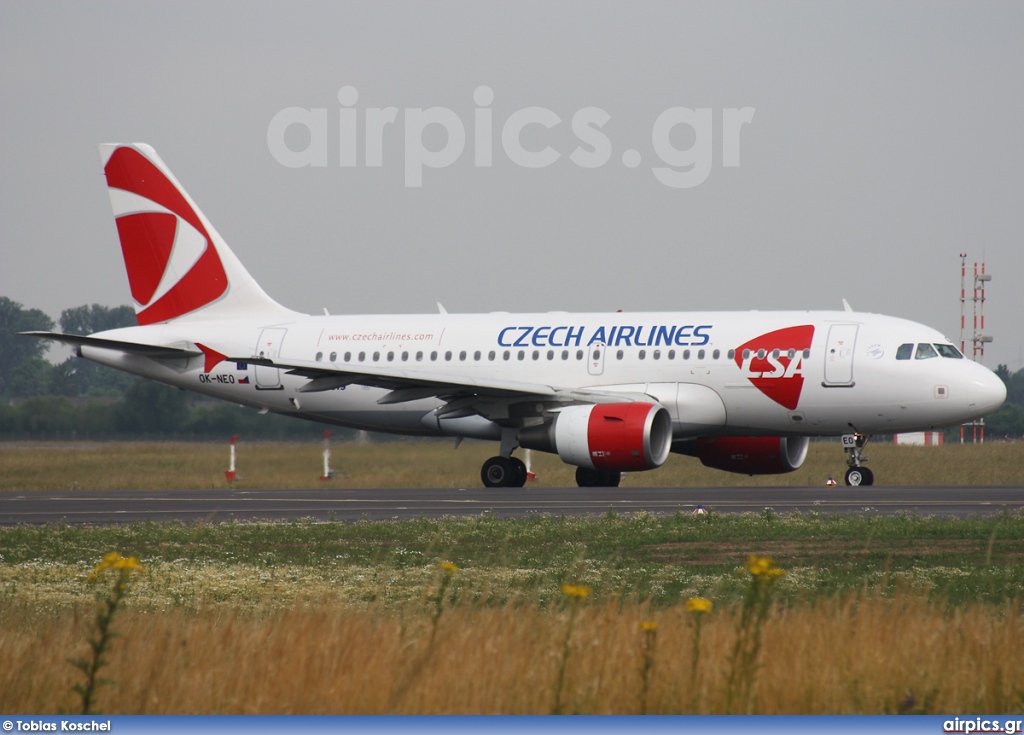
608	393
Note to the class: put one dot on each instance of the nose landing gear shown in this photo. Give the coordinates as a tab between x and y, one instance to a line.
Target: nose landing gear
853	445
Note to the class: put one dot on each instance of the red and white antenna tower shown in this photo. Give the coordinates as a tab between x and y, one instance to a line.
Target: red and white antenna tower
978	337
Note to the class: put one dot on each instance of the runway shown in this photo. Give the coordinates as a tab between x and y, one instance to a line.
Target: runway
103	507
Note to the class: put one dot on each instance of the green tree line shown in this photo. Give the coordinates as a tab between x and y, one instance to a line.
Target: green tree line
78	398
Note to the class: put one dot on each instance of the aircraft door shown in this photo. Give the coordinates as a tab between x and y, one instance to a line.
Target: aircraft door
839	354
595	358
269	346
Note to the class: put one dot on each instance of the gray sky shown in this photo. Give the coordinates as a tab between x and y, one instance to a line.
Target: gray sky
886	140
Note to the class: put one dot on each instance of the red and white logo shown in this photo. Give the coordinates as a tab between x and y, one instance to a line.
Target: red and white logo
173	268
773	362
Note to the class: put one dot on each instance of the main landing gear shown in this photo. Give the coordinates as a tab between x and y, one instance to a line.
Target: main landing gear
853	445
503	472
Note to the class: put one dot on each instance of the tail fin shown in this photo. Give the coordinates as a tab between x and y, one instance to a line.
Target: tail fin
178	265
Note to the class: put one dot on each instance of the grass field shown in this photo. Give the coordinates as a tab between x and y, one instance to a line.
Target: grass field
874	614
150	466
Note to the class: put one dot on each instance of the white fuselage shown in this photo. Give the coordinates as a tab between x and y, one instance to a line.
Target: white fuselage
777	373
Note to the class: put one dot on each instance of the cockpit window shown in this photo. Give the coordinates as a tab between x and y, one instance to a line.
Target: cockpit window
949	351
925	351
904	352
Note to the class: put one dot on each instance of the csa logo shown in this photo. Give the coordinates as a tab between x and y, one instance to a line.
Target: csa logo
773	363
173	268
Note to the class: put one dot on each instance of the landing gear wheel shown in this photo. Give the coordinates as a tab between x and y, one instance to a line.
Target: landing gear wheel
859	476
498	472
597	478
518	472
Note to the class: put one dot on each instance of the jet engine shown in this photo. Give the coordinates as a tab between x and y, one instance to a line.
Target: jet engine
617	437
750	455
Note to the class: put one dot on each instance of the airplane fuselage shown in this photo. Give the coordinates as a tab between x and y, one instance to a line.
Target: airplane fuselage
784	373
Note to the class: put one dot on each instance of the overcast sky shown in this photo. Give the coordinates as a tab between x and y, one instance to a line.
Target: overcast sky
886	139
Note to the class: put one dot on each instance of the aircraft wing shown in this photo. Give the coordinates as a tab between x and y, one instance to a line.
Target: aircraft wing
412	384
133	348
404	384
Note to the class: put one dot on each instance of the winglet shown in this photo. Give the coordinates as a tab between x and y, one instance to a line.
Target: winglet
846	306
213	358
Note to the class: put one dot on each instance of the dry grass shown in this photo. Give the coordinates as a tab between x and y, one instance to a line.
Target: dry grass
152	466
861	654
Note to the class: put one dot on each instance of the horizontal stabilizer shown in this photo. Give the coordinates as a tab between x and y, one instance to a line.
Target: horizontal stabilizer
133	348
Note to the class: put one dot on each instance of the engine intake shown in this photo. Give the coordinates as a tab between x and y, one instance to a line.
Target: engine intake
620	437
752	455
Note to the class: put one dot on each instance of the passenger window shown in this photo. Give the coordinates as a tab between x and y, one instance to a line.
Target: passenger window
700	354
925	351
671	354
949	351
376	357
405	357
579	354
551	354
618	355
686	354
490	355
903	352
506	355
433	356
319	356
348	357
536	354
717	353
656	354
565	354
334	357
448	356
643	354
362	357
419	357
391	357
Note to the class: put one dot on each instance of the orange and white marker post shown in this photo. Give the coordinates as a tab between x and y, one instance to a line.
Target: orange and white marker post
531	476
328	472
230	473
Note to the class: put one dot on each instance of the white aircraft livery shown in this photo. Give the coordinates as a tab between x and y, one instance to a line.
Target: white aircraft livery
608	393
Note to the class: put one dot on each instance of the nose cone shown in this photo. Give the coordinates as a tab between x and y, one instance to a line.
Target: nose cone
986	391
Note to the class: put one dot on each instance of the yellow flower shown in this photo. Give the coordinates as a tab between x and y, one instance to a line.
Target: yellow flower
448	567
576	591
649	626
763	568
698	605
114	560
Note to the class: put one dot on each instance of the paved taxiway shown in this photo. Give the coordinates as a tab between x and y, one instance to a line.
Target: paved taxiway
99	507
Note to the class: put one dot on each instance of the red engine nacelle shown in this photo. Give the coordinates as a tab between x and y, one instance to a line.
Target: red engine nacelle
620	437
753	455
